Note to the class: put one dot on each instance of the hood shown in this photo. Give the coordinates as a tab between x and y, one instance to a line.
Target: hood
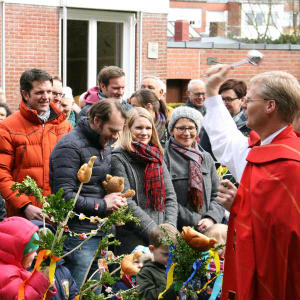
16	232
92	95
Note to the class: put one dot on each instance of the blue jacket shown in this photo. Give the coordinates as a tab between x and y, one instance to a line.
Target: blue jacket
69	154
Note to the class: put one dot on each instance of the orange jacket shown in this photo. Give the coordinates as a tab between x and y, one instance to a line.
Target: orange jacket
25	146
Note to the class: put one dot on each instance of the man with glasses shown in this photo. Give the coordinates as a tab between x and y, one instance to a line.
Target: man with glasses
27	138
263	242
196	94
57	91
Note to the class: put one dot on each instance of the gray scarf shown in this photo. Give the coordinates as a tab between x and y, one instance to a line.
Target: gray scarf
45	116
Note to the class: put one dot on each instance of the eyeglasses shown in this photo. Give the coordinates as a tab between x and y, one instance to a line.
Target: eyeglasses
199	94
58	94
182	129
247	100
229	99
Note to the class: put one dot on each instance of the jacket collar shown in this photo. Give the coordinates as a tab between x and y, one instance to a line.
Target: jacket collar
90	134
285	145
56	115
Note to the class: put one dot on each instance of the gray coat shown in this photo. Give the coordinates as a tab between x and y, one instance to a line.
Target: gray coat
178	167
122	164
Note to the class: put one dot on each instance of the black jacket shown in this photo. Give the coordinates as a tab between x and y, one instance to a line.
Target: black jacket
69	154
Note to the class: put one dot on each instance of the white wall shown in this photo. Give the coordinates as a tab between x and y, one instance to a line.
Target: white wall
250	31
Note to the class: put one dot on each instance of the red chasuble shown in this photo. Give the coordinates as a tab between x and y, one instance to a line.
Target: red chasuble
262	259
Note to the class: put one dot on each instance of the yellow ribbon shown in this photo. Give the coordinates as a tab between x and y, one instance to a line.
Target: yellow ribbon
213	254
169	280
221	171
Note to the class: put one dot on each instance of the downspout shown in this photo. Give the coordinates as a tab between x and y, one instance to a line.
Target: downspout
140	47
64	79
3	47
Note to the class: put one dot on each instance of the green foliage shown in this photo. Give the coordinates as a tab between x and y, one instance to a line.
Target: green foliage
57	207
105	243
184	256
46	242
28	187
131	294
122	215
89	294
283	39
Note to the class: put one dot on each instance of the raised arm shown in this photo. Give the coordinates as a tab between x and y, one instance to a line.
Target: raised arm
229	145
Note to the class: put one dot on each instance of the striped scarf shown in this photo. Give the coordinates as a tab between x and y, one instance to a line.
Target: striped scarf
153	176
195	189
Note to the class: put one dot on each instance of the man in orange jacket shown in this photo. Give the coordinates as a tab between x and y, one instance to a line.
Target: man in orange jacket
27	138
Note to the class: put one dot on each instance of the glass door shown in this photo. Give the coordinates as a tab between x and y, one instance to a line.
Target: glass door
96	39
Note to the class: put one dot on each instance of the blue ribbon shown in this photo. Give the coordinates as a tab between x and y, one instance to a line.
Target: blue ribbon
196	265
169	263
217	287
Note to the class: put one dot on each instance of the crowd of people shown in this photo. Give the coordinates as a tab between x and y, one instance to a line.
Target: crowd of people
169	157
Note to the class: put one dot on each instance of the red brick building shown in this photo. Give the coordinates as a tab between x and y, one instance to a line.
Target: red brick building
74	39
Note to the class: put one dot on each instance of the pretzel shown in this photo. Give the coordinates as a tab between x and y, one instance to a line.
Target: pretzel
197	240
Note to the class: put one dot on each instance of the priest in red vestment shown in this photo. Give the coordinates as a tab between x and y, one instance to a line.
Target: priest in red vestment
262	259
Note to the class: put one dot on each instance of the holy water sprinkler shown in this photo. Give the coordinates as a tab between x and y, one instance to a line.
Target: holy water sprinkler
254	57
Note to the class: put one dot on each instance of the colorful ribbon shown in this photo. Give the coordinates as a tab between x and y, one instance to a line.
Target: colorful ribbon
217	287
196	265
215	256
169	280
43	254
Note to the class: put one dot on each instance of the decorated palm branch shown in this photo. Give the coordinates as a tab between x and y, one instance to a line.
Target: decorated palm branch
51	245
189	262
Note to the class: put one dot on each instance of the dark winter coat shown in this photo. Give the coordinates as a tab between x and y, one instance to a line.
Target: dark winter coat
70	153
152	280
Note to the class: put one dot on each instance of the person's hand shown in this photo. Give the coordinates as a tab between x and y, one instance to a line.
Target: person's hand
215	76
114	201
204	224
226	193
34	213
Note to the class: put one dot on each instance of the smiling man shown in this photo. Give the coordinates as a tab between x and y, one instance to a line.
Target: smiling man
196	94
111	84
263	242
89	138
27	138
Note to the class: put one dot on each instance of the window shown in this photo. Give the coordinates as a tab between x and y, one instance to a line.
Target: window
95	39
260	19
249	18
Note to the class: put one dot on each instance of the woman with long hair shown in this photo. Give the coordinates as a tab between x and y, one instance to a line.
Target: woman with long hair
139	159
147	99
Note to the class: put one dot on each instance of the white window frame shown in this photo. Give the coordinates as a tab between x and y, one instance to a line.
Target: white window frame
128	41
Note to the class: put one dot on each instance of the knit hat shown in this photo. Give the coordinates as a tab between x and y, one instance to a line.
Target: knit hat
92	95
141	248
67	92
31	246
188	113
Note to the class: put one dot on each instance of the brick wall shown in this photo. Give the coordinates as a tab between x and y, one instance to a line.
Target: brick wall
187	63
154	30
32	41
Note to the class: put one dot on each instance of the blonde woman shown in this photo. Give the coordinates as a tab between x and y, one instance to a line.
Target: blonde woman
139	159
